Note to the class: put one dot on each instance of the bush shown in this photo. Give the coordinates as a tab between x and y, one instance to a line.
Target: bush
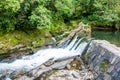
40	17
65	8
32	14
8	8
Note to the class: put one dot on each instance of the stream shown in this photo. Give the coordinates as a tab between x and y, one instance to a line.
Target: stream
74	47
111	36
71	48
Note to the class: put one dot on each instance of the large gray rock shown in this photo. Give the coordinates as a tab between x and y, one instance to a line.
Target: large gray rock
103	58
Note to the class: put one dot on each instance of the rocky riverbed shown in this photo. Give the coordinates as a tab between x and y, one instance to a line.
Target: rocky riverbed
73	70
67	65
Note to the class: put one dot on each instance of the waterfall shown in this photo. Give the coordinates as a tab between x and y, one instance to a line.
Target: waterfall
72	43
75	47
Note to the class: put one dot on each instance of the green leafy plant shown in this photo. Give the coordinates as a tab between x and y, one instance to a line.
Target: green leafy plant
104	65
41	17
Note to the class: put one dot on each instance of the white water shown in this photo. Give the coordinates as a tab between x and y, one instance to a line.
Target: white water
27	63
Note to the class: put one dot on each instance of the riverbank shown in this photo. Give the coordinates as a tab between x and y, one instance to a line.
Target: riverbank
49	56
30	40
46	60
23	39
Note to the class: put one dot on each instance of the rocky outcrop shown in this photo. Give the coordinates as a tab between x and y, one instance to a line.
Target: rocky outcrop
103	59
82	29
69	69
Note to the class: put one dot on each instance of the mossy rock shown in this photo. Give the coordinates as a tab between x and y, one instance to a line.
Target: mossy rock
75	65
104	65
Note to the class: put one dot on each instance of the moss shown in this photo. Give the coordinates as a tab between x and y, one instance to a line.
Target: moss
75	65
87	56
11	39
104	65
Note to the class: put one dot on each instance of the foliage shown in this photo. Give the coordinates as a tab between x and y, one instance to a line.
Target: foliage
7	14
104	12
65	8
41	17
31	14
30	38
25	11
104	65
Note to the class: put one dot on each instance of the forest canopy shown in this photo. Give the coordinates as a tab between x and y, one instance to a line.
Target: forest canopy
39	14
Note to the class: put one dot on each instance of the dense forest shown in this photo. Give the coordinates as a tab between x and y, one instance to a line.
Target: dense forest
40	14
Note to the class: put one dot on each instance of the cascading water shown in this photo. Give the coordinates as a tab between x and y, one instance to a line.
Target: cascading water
27	63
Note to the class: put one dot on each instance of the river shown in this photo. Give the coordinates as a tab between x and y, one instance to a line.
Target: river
111	36
75	47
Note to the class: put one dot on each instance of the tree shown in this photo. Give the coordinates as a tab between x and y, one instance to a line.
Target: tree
40	17
8	8
65	8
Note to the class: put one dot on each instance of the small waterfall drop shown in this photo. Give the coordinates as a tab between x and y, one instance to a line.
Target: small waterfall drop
26	63
71	43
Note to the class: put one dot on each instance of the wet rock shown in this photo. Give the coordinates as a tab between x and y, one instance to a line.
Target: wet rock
114	73
49	62
110	69
61	65
42	66
107	77
17	74
53	38
24	49
97	69
104	60
8	79
35	71
69	75
59	72
31	52
18	46
63	75
114	60
24	78
78	58
68	66
80	29
41	71
75	74
117	66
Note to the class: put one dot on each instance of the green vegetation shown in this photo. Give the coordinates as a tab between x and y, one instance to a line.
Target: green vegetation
104	65
39	14
87	56
31	38
24	21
